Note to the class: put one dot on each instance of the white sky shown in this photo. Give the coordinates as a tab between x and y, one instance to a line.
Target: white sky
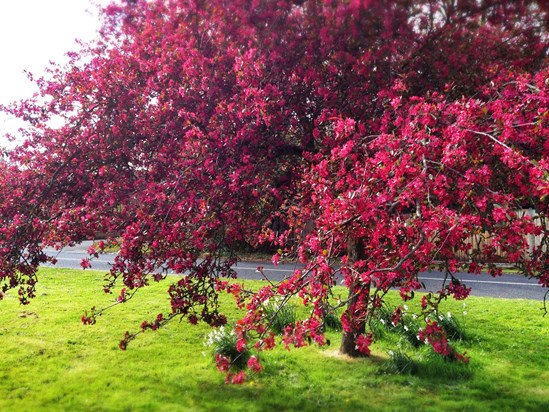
33	33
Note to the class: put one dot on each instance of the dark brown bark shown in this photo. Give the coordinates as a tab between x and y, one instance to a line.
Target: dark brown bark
355	252
348	341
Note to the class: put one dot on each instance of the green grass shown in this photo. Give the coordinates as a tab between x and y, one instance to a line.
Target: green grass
50	361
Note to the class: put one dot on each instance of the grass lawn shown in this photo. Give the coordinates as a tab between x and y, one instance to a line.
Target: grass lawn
50	361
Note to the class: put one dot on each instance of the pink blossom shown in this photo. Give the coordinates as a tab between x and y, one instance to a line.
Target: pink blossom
254	364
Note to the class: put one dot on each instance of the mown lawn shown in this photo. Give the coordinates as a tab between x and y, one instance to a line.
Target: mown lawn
50	361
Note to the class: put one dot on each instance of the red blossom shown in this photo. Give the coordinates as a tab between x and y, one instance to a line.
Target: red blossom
122	296
254	365
241	345
222	362
458	290
363	343
236	378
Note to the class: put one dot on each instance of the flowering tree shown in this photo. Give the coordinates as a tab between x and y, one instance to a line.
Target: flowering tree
370	139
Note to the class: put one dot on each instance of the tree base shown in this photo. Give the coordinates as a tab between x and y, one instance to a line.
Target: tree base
349	347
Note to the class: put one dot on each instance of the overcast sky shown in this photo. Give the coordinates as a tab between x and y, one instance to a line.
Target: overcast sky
34	32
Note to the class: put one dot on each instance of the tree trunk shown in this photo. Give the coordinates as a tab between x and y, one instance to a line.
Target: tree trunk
348	341
355	252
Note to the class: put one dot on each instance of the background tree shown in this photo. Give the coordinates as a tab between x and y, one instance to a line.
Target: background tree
383	135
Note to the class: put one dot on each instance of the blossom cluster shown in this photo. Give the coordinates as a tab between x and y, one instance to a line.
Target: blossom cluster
368	142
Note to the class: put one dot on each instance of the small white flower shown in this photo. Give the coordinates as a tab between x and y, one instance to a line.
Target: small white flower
391	353
406	328
449	314
382	321
414	316
405	307
464	312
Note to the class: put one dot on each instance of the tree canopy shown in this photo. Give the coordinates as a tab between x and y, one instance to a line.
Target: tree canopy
369	139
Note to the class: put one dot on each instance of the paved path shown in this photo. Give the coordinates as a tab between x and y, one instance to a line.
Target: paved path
506	286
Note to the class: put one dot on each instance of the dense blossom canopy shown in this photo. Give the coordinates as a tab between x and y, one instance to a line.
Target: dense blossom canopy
370	139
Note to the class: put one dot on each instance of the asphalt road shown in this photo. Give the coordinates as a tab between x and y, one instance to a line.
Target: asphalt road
505	286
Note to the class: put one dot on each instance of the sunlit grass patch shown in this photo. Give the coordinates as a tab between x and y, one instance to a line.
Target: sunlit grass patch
50	361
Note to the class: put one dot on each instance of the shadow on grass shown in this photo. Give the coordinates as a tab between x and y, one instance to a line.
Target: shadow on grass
435	368
267	396
427	366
